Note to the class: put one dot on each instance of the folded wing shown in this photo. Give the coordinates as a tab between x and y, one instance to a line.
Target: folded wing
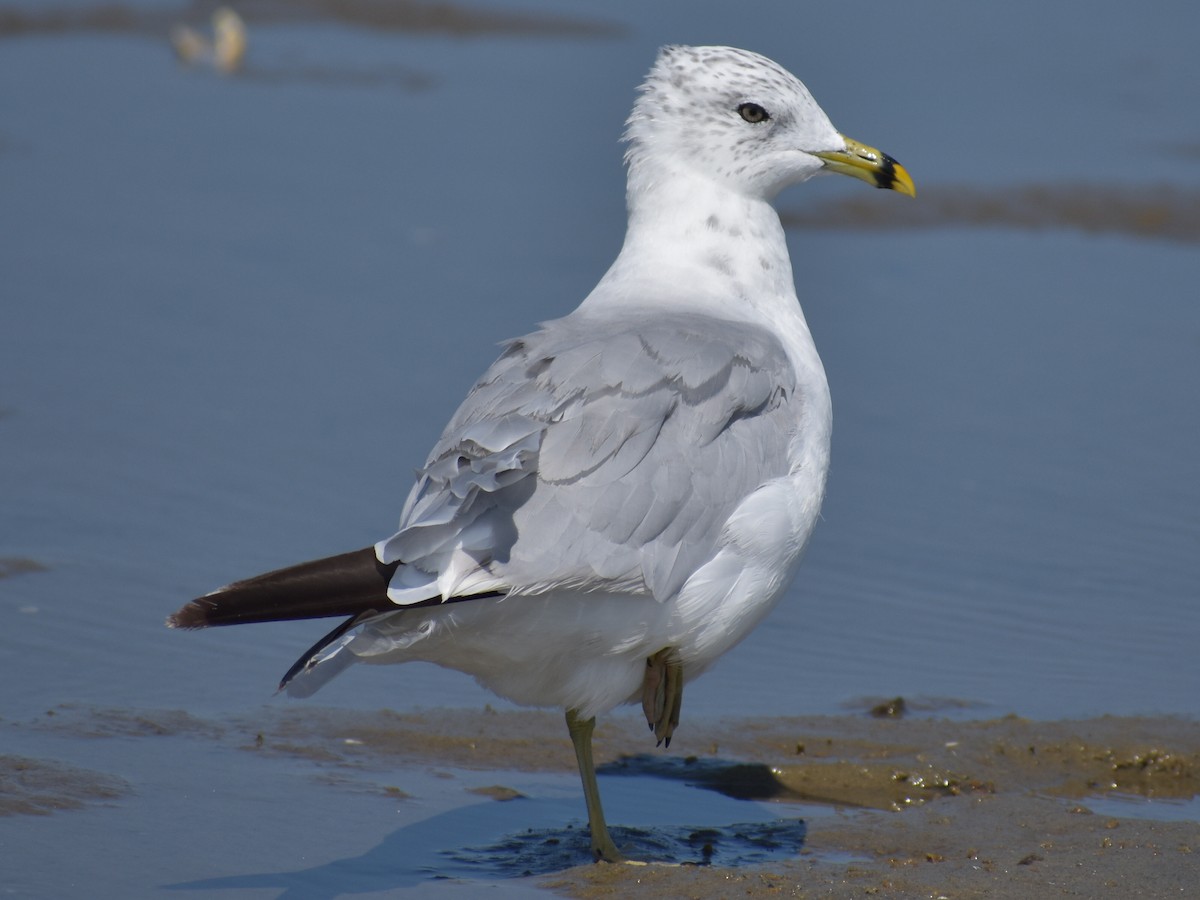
597	456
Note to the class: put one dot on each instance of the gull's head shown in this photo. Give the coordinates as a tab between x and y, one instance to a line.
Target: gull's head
743	121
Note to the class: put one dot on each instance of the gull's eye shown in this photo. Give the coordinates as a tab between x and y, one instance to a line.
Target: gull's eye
753	113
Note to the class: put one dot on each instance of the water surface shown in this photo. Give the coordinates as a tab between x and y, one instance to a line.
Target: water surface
236	311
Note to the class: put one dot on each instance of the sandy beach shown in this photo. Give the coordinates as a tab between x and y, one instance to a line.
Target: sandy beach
915	806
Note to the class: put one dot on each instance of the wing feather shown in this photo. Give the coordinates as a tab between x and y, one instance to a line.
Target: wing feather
598	455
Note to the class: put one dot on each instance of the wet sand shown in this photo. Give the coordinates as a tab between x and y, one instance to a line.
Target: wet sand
926	807
33	787
399	16
1157	212
992	809
412	16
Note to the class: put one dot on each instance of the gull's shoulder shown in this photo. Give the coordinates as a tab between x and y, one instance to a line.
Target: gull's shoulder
607	345
602	356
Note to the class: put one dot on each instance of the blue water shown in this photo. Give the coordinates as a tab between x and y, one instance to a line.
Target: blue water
234	313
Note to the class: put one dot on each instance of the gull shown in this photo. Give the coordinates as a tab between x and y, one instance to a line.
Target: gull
629	489
225	52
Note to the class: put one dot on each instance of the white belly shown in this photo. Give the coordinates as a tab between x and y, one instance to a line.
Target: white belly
587	651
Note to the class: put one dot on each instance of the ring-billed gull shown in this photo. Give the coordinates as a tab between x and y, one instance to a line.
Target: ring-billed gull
628	490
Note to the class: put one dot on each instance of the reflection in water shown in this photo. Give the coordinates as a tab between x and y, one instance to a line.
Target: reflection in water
541	851
1158	212
379	15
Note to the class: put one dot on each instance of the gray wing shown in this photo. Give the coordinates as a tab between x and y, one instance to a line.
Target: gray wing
598	455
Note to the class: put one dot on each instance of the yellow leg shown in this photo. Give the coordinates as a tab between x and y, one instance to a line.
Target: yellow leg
603	848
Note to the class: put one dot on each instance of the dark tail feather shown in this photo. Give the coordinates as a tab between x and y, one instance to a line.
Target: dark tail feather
347	585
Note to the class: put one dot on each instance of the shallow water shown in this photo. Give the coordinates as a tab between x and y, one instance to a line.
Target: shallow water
237	310
1132	806
219	808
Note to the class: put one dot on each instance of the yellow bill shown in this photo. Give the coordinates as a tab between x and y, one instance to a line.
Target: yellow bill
871	165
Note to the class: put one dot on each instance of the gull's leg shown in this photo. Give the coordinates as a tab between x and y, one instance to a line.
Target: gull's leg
603	847
662	693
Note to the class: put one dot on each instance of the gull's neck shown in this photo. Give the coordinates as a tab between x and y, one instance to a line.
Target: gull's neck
697	242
